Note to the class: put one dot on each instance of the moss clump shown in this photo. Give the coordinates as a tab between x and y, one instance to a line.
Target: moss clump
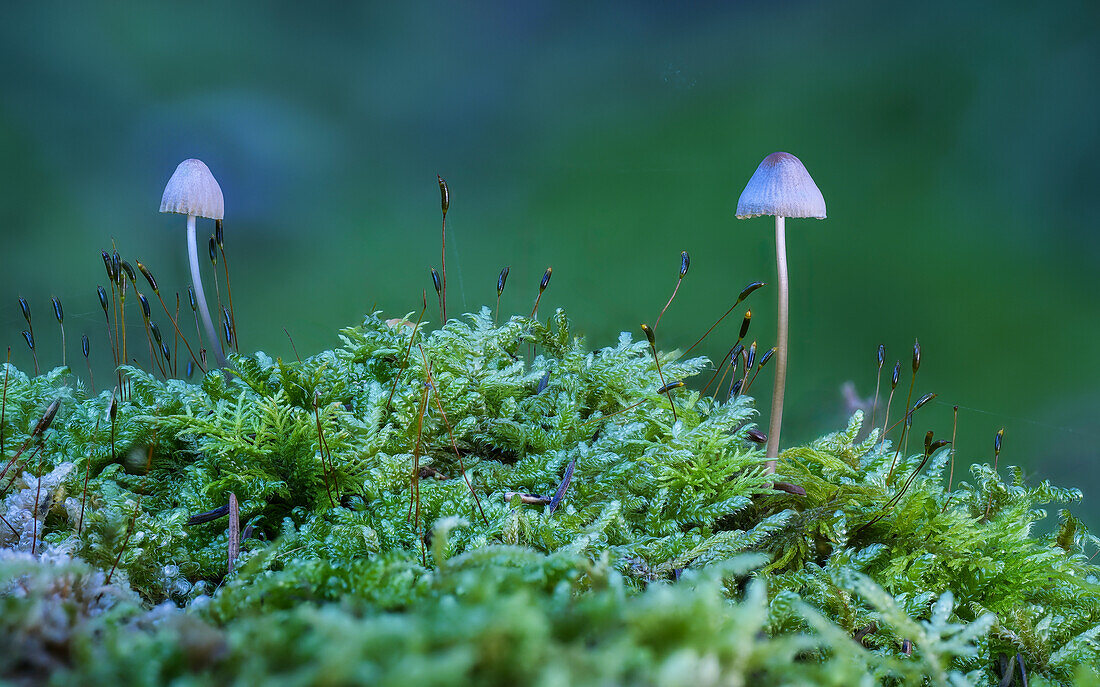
669	558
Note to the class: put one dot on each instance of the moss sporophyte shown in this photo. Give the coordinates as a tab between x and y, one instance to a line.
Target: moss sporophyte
494	502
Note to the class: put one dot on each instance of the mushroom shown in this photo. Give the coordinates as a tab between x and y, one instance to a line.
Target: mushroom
780	187
193	191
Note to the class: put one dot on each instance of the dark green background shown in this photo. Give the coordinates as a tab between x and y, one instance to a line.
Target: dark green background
955	143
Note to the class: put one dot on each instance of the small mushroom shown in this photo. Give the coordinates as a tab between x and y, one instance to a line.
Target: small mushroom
193	191
780	187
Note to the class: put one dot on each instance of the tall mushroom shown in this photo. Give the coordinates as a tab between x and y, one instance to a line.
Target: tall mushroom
780	187
193	191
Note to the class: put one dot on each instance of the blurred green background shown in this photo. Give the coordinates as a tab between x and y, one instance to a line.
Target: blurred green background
956	145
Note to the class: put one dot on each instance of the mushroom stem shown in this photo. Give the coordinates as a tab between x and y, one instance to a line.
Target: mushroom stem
200	296
776	422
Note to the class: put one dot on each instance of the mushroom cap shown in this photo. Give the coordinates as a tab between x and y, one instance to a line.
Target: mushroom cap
193	190
781	186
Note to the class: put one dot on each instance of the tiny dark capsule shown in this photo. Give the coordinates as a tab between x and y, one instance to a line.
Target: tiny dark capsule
864	631
745	324
117	262
191	297
685	263
29	338
112	407
868	629
85	345
789	488
47	418
997	441
752	356
103	302
747	291
916	355
228	334
670	386
894	378
145	310
212	246
129	270
26	308
155	330
109	265
922	400
502	280
562	486
57	311
167	353
435	280
927	441
735	354
190	368
219	235
648	334
756	436
208	516
937	445
148	277
543	383
226	318
736	390
881	354
545	279
767	356
444	195
907	647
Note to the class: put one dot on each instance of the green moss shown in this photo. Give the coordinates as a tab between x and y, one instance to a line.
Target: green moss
670	559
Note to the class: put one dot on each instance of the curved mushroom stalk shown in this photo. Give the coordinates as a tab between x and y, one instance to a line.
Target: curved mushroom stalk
193	191
200	295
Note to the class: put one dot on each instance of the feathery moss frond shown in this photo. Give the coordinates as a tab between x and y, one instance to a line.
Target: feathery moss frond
671	556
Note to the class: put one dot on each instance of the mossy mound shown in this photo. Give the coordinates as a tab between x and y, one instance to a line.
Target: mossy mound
667	555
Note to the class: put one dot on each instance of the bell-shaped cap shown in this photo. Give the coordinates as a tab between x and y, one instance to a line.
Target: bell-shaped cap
193	190
781	186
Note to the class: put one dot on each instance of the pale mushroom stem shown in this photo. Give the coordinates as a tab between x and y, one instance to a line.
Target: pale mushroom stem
200	297
776	421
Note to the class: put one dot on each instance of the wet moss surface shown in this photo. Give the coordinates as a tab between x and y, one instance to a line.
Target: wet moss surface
499	504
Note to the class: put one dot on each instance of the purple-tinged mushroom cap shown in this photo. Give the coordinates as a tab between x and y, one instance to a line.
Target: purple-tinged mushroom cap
193	190
781	187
